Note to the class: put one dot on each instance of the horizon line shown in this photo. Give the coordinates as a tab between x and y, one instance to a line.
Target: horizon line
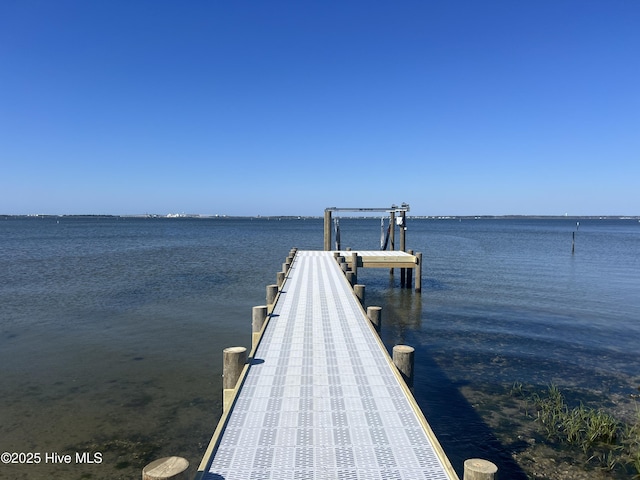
205	216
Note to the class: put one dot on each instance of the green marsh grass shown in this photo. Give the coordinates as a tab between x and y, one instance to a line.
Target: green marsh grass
606	441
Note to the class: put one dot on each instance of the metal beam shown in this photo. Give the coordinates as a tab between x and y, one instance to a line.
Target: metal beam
403	208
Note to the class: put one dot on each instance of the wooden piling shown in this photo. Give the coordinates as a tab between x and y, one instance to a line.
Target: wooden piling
418	272
354	263
344	266
280	276
403	359
167	468
272	292
351	277
375	316
392	234
258	317
327	230
479	469
359	291
409	273
233	361
403	246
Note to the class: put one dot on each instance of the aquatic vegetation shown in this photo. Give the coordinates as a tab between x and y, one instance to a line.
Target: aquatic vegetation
610	443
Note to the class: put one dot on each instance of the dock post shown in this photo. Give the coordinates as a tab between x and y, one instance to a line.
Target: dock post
280	278
272	292
354	263
418	272
392	234
327	230
479	469
352	279
375	316
258	316
233	361
359	291
409	272
288	262
403	246
403	359
343	264
167	468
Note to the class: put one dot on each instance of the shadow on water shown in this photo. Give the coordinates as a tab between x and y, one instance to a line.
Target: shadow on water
461	431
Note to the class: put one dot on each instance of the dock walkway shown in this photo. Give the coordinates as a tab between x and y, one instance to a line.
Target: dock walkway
322	398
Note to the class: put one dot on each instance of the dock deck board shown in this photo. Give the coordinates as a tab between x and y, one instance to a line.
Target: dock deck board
380	258
322	400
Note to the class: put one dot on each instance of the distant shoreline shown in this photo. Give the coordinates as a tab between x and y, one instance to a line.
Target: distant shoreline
303	217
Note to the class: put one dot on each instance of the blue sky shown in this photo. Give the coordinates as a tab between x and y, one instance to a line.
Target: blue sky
287	107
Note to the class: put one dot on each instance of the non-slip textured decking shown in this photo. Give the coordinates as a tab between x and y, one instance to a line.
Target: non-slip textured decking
321	399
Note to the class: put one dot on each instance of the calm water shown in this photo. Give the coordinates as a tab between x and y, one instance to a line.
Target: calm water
111	330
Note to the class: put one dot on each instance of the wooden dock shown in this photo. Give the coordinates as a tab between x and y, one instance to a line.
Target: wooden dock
319	396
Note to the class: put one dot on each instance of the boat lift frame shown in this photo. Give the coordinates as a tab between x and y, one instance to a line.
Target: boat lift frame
392	211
